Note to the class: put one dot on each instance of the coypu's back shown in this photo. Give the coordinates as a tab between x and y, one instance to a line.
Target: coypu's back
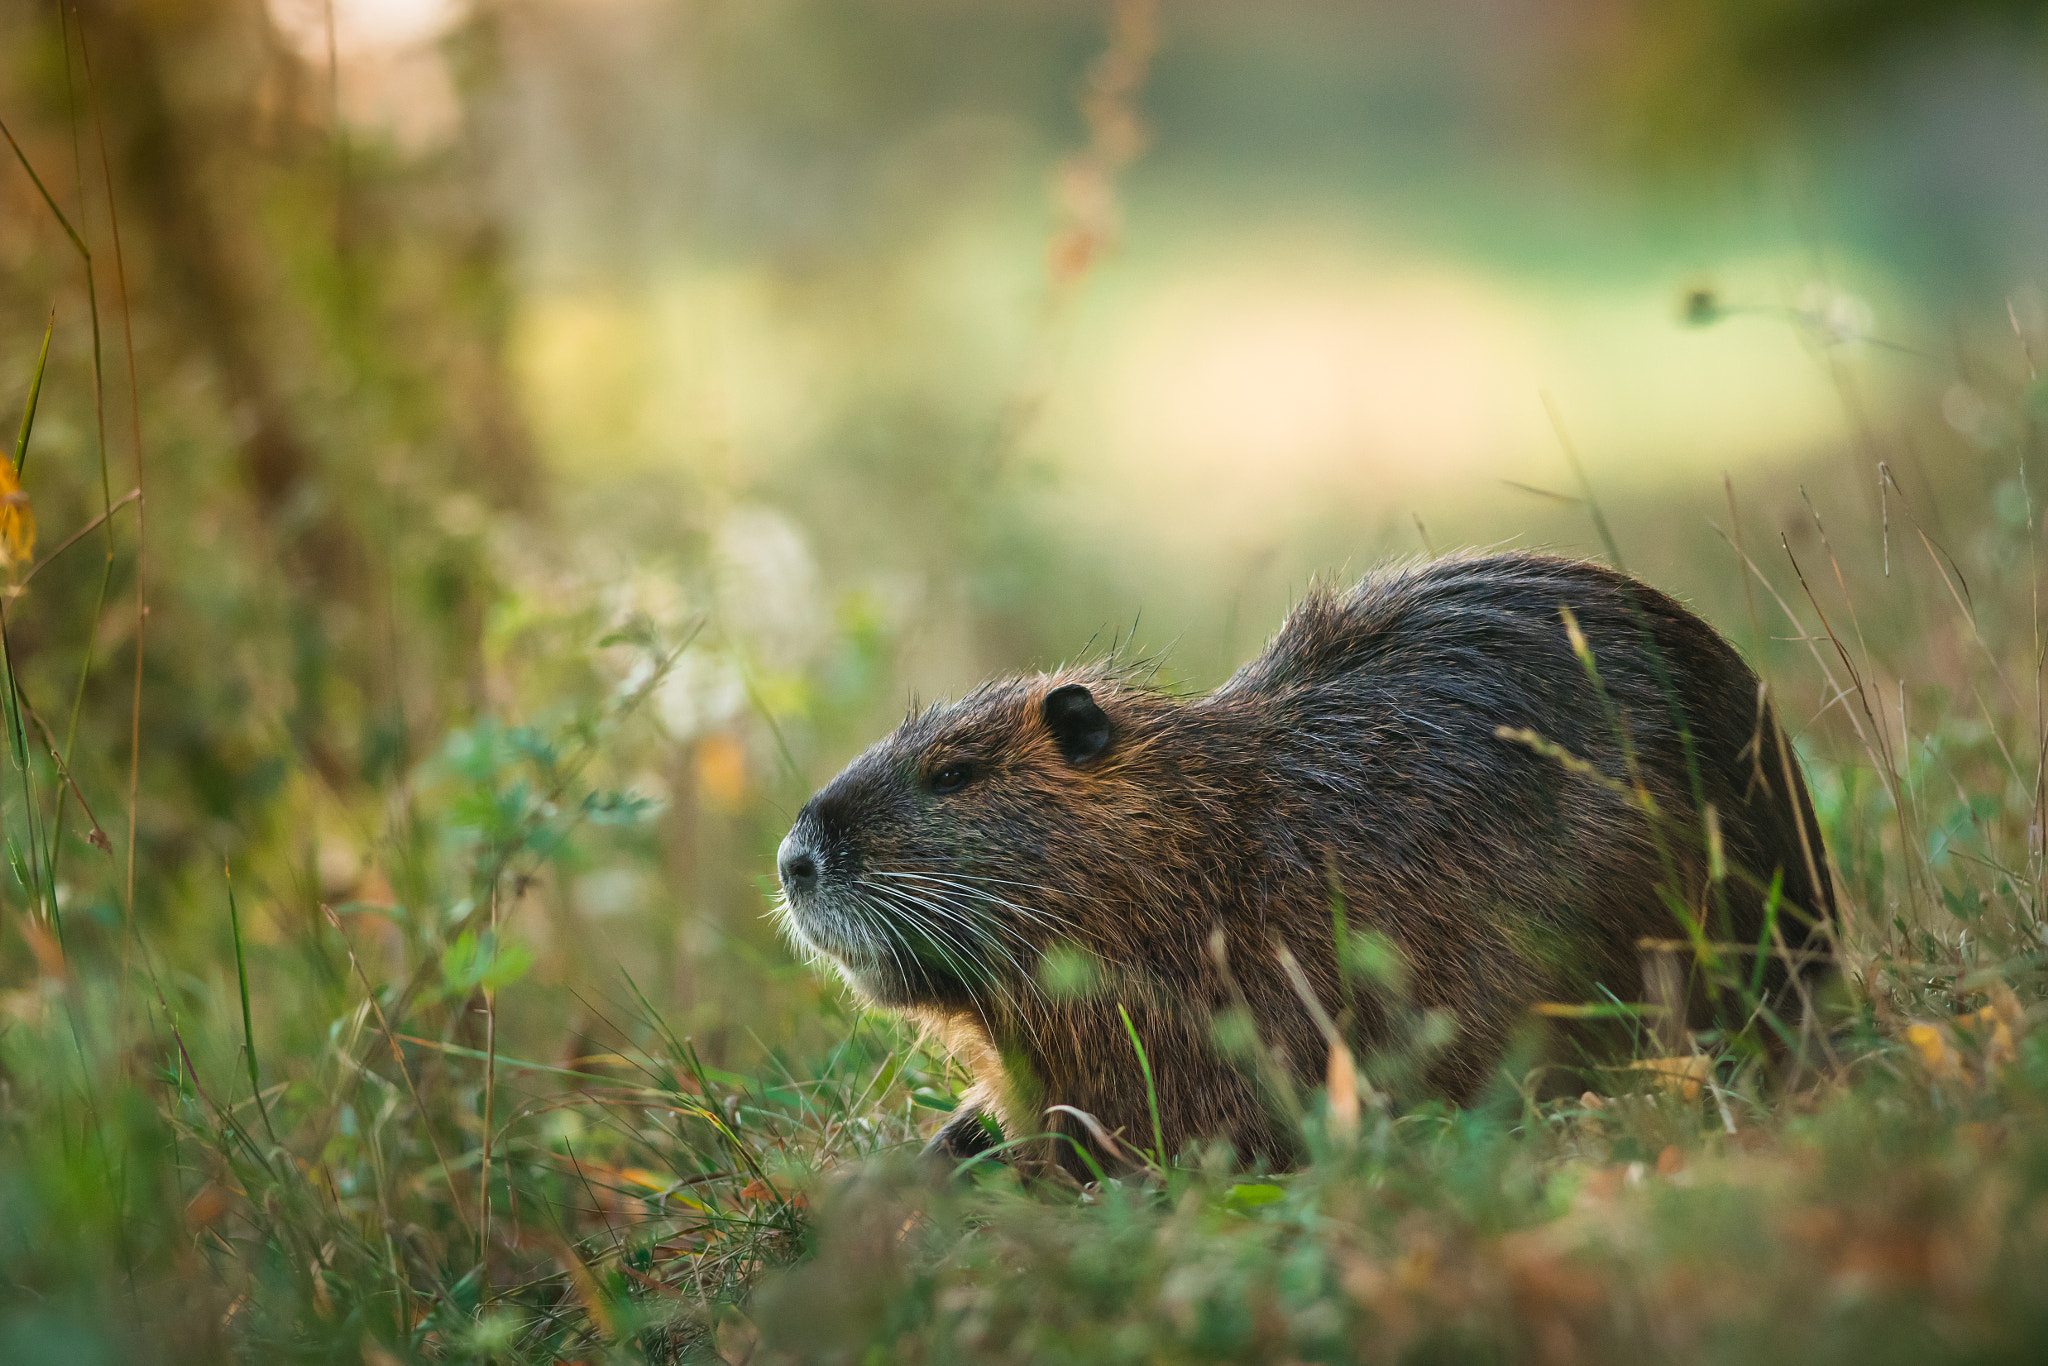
1434	661
1428	750
1462	676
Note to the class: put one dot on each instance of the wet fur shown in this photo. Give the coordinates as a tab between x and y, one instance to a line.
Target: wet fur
1361	750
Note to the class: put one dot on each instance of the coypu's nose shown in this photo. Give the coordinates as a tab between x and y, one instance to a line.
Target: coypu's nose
796	865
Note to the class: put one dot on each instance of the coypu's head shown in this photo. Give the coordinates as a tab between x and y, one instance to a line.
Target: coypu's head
942	863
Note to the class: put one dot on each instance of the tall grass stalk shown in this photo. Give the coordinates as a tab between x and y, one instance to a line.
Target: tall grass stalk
1159	1154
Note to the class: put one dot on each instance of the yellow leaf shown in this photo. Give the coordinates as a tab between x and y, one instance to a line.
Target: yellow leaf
2000	1051
17	518
1932	1044
1680	1074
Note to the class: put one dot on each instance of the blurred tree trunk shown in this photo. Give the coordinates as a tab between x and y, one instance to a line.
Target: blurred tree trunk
332	370
182	231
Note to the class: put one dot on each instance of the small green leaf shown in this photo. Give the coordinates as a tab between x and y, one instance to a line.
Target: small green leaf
1234	1032
476	752
1250	1196
508	964
482	959
619	808
529	743
1376	958
1069	973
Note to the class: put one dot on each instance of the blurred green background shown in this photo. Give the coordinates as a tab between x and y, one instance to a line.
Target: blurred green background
875	348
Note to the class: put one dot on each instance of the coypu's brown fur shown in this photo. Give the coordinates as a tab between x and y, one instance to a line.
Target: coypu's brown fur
1381	746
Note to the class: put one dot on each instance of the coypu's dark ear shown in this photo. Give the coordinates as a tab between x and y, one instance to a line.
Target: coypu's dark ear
1078	726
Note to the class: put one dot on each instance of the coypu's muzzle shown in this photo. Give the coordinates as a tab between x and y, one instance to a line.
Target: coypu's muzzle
797	865
800	863
898	939
819	909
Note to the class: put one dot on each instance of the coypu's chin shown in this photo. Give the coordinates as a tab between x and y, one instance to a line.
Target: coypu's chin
838	935
898	967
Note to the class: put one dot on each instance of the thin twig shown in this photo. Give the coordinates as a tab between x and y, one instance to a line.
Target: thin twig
133	495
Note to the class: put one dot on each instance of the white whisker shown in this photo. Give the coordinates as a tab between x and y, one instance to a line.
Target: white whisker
969	887
938	941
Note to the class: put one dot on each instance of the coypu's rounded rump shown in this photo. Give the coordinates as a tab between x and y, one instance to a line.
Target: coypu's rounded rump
1485	784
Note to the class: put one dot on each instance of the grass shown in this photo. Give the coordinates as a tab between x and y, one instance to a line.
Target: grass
401	1185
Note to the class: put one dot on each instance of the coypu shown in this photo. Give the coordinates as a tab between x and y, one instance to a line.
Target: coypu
1426	758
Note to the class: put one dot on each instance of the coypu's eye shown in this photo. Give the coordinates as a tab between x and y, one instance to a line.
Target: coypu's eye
952	778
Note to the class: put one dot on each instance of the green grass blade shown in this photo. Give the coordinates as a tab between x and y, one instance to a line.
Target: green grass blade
41	890
35	396
1151	1091
248	1021
1571	455
1763	942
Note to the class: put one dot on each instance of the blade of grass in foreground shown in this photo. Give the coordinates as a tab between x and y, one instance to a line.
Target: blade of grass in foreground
248	1025
27	869
1151	1091
30	858
35	395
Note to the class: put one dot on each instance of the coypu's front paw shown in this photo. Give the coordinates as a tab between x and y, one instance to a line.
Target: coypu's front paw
969	1133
